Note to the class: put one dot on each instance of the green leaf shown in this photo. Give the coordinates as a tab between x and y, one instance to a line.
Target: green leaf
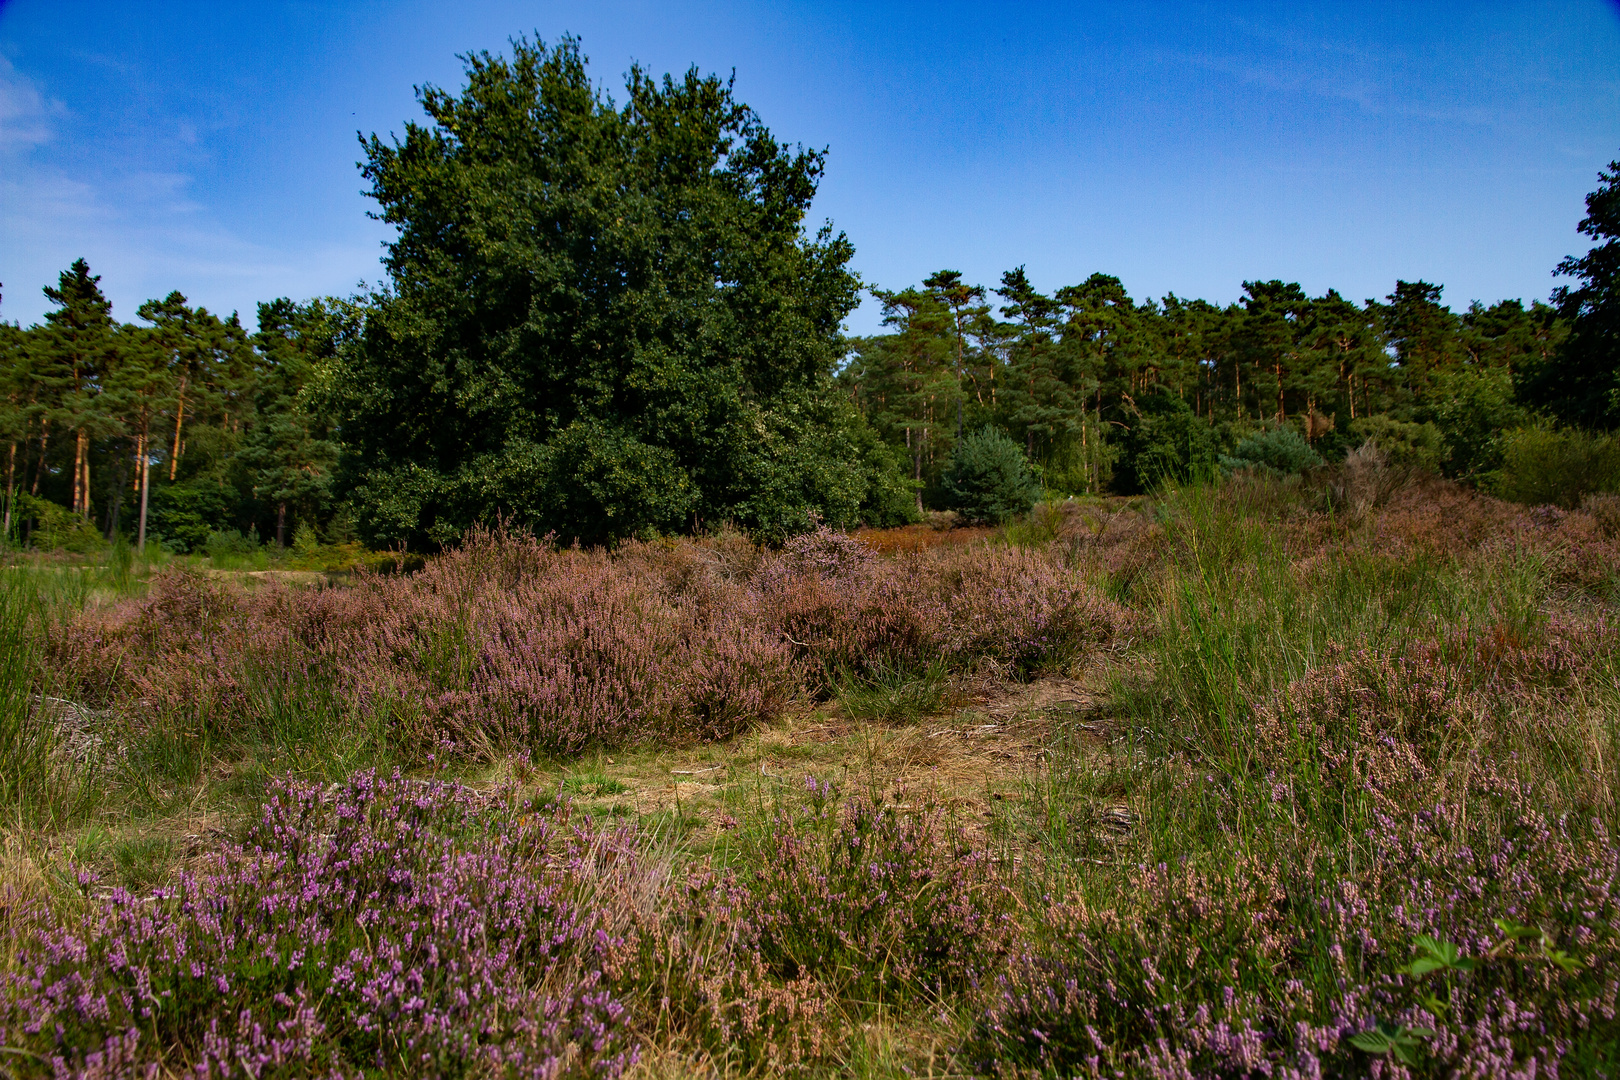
1562	959
1374	1042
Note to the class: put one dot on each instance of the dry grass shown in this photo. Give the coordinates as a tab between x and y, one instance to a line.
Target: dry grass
916	538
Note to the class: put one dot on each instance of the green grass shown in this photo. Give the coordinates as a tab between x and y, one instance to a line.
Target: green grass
894	694
593	785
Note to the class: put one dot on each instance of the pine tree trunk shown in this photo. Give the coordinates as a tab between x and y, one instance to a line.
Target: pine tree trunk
81	496
11	476
916	471
39	466
179	418
146	483
84	473
281	524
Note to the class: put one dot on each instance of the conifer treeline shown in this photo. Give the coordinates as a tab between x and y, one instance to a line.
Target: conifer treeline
180	425
1078	375
186	423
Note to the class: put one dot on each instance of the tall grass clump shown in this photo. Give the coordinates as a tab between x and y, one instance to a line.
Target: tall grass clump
1369	834
25	744
48	752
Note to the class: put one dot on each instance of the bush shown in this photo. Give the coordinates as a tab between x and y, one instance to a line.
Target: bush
56	528
989	479
1405	445
1477	406
225	543
1280	450
185	515
1542	465
305	540
1168	442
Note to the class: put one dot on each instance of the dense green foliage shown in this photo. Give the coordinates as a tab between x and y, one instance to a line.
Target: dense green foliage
1107	393
1582	385
604	319
989	479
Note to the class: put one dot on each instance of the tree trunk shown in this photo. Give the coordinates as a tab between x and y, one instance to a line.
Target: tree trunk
916	472
281	524
146	483
179	418
11	476
78	451
81	474
39	466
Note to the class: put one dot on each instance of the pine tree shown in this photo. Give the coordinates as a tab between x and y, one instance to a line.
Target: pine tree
79	353
290	452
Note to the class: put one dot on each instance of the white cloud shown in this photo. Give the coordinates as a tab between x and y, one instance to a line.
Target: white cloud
147	235
147	231
25	112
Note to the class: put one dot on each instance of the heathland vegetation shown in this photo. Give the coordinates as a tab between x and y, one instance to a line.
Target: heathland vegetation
643	679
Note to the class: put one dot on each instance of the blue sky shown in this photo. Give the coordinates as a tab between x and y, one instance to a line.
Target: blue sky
211	148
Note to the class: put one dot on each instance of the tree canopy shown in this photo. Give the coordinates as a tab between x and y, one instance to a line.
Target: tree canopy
1581	383
603	319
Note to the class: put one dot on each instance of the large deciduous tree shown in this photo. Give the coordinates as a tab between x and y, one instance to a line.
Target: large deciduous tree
603	319
1581	382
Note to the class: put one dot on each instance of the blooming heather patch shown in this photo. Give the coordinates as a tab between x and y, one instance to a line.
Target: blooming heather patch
390	926
1495	950
842	905
506	643
1014	610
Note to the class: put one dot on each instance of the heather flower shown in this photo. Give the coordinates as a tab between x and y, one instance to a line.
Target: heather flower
397	927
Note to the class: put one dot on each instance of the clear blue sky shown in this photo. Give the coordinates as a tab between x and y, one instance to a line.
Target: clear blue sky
211	148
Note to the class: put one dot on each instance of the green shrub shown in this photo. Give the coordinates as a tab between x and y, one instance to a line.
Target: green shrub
228	542
1543	465
188	513
1167	441
341	528
305	541
56	528
1405	445
989	479
1280	450
1477	407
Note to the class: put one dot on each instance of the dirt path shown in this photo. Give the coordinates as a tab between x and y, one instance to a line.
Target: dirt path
986	749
